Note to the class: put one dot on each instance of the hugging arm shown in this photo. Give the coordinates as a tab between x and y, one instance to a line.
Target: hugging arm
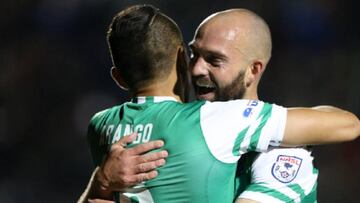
320	125
123	168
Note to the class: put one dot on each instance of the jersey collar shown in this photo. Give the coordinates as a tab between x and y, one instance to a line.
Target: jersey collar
151	99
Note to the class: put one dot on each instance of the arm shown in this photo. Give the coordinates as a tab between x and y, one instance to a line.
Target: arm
242	200
91	187
124	168
320	125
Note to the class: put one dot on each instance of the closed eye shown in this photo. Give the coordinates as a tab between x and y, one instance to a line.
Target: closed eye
213	60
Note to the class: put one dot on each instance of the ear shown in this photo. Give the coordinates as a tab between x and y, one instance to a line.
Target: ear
254	72
182	86
116	76
183	57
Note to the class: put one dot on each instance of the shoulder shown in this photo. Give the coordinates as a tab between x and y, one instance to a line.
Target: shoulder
103	115
247	107
183	108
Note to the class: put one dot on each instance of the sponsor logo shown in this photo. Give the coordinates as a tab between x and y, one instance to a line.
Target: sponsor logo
248	111
286	168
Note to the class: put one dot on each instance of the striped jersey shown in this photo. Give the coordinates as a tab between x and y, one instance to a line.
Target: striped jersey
204	140
279	175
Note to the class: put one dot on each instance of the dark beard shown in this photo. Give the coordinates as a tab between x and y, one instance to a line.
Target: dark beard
235	90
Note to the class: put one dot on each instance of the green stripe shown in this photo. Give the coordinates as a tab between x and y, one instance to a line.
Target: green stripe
134	199
239	139
269	191
149	99
264	115
134	100
297	188
312	196
117	197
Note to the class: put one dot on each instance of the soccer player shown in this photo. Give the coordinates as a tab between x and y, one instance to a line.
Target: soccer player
230	52
146	47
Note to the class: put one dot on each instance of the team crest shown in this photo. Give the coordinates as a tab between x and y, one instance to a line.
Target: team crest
286	168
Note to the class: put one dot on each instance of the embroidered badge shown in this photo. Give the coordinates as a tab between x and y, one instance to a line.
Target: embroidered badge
286	168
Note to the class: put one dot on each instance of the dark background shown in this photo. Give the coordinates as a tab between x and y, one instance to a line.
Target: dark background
54	74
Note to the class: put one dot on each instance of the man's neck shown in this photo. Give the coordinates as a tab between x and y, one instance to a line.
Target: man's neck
252	95
159	89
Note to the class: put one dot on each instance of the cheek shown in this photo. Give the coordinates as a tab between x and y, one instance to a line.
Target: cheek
191	67
224	76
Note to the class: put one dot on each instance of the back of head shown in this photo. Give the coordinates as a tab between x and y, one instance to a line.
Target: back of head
259	36
143	43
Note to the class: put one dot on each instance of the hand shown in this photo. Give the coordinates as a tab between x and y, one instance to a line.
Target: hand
126	167
239	200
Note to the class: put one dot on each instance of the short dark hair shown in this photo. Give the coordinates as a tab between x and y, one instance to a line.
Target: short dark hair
143	42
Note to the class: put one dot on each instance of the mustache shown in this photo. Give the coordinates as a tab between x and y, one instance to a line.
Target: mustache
204	82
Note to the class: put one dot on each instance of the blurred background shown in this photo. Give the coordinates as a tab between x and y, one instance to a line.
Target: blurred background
54	75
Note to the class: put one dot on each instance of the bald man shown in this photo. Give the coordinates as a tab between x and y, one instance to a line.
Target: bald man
230	52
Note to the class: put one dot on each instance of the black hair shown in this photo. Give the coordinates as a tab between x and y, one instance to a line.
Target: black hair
143	43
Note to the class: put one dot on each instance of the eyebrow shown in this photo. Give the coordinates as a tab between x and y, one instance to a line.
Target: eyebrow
208	52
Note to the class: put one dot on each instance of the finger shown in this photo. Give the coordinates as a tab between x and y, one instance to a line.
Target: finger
132	180
142	148
145	176
151	157
124	199
126	139
145	167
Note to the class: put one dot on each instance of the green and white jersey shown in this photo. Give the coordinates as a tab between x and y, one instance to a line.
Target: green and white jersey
282	175
204	141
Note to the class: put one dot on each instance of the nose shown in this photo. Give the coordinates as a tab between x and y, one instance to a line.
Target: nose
198	67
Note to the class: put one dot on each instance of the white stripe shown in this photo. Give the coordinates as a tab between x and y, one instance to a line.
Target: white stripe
141	100
260	197
220	123
278	119
163	98
144	197
308	183
246	142
275	126
285	190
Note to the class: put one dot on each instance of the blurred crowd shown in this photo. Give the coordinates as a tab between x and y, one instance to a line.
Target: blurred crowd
54	75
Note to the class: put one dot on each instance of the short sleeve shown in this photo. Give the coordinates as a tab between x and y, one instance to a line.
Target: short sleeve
93	138
282	175
235	127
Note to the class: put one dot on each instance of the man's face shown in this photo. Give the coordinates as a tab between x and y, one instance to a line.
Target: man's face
217	64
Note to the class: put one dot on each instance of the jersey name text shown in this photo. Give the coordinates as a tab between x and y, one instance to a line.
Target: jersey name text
108	134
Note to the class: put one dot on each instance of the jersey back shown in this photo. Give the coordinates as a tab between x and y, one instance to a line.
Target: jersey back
204	141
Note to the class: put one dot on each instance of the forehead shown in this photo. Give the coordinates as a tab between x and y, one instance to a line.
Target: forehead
216	37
